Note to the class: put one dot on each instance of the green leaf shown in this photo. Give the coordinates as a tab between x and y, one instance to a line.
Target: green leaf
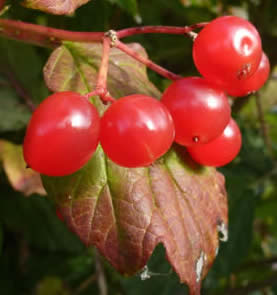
57	7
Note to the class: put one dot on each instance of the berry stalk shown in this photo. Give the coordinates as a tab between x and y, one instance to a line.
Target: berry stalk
150	64
51	37
101	84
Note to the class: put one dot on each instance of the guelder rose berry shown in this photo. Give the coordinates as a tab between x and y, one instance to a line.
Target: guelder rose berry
253	83
220	151
136	130
200	110
227	50
62	134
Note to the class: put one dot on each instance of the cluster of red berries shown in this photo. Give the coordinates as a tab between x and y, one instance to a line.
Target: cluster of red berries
136	130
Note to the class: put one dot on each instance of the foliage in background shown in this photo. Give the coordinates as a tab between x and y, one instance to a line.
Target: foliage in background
39	255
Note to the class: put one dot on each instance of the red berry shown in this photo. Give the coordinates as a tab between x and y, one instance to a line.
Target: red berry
200	110
136	130
228	49
253	83
62	135
220	151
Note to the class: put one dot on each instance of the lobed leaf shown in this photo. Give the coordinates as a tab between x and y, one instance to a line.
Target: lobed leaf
67	7
126	212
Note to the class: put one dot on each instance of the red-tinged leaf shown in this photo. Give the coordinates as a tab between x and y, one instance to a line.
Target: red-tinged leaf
74	66
126	212
21	178
55	6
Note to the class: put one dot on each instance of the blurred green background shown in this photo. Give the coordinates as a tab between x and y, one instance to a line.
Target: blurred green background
39	255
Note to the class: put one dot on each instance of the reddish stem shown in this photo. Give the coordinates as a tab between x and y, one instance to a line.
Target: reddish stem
101	84
103	70
158	29
160	70
51	37
42	35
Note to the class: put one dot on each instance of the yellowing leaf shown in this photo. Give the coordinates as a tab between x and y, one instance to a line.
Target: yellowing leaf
22	179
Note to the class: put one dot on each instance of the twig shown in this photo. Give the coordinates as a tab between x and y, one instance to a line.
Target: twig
264	127
239	103
150	64
42	35
101	279
84	285
24	253
20	90
51	37
159	29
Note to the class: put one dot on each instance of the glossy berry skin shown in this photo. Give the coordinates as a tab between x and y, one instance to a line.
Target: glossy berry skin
253	83
227	50
62	134
136	130
199	109
220	151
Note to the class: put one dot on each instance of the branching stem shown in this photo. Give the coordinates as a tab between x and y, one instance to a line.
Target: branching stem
20	90
264	127
51	37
